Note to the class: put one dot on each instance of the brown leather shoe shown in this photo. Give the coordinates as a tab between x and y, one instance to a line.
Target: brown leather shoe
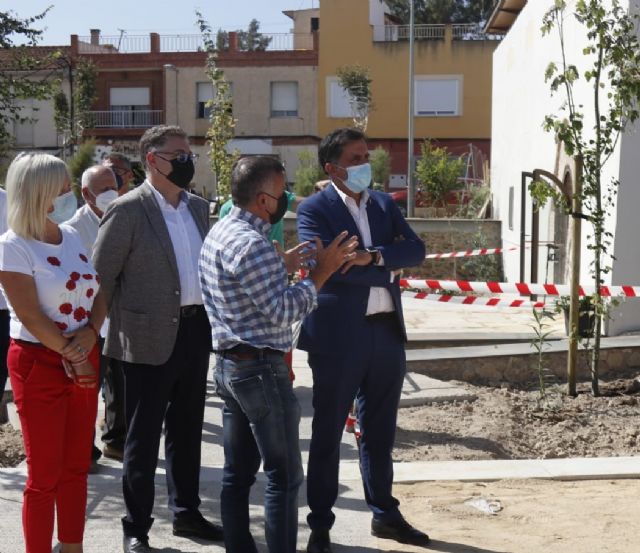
111	452
399	530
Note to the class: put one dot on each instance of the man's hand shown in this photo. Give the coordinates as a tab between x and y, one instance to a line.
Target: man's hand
297	257
329	259
362	259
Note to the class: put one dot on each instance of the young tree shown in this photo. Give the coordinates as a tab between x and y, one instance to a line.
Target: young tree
252	40
25	74
591	130
438	173
307	174
221	120
356	80
380	167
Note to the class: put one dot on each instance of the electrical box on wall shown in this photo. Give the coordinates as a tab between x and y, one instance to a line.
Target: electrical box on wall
397	181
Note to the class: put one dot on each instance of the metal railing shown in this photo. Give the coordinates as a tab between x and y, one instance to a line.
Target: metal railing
131	44
127	119
396	33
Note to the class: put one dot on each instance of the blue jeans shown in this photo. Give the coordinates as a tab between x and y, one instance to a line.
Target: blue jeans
260	420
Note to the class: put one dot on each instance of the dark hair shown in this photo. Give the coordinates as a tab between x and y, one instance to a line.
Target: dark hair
156	137
117	156
250	174
331	147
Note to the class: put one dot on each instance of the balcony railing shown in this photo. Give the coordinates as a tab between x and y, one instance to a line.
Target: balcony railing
139	44
396	33
141	119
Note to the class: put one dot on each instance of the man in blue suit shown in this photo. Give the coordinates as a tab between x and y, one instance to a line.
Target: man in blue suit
356	338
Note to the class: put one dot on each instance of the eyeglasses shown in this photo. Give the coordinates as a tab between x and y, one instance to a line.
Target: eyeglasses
120	171
180	158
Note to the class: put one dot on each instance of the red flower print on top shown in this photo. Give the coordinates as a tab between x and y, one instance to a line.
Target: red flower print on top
83	257
71	285
98	279
90	292
79	313
75	276
87	276
66	308
61	326
54	261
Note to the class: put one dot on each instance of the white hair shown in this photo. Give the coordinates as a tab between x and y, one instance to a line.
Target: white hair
93	171
33	183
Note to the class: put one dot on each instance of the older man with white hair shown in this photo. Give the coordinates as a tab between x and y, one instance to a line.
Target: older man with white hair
99	189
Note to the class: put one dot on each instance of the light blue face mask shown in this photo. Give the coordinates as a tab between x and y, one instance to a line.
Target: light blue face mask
64	207
358	177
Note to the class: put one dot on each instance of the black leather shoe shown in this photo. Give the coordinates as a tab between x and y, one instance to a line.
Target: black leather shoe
319	542
135	545
196	526
399	530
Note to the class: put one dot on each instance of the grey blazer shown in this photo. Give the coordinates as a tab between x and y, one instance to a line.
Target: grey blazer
134	257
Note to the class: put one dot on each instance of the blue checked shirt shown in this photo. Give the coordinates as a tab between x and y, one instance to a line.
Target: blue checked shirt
245	288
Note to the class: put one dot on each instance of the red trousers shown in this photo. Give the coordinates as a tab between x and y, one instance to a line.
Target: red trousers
58	419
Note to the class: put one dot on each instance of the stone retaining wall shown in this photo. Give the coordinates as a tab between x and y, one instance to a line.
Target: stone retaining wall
523	369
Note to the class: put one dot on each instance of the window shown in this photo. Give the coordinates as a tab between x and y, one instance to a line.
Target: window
339	100
130	107
204	92
284	99
438	96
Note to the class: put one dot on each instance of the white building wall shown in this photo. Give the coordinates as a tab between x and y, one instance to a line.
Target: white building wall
521	99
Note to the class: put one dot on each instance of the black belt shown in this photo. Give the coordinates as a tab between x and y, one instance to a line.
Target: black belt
187	311
381	317
247	352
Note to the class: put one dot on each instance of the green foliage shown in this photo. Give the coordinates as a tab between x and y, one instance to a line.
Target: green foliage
222	123
380	167
356	80
24	75
61	115
438	173
251	40
308	173
80	161
478	196
540	343
483	268
85	94
612	52
443	11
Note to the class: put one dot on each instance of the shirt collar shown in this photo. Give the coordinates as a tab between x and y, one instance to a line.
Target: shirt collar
262	226
92	214
164	204
363	199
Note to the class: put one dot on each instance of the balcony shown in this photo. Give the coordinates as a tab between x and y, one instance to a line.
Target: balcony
398	33
129	119
153	42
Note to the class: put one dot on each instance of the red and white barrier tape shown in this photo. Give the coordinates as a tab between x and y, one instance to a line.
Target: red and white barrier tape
471	253
474	300
522	288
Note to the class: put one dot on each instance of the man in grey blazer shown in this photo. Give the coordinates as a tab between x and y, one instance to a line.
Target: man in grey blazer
147	257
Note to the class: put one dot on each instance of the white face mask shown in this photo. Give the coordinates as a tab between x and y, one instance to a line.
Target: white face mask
64	206
105	199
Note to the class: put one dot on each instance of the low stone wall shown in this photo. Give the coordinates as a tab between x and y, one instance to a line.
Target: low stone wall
523	369
446	235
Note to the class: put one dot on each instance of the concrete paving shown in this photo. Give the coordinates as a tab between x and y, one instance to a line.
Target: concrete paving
351	531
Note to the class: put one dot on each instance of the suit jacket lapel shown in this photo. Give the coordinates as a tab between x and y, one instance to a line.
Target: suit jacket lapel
197	217
152	210
341	214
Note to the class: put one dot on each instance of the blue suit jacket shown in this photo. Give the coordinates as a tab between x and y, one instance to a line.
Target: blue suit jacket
342	302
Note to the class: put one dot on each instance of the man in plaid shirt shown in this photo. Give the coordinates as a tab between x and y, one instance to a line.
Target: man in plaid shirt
251	307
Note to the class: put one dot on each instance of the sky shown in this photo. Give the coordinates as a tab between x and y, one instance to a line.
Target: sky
140	17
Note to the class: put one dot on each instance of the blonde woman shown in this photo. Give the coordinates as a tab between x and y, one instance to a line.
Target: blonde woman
55	308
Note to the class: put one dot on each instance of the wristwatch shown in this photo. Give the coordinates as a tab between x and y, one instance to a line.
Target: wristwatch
375	255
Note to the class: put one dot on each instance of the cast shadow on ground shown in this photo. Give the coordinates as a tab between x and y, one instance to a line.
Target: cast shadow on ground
407	439
451	547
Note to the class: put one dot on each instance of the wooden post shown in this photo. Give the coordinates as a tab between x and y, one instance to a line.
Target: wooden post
576	209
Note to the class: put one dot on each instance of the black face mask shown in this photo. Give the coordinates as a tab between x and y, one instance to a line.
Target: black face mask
283	204
181	173
119	181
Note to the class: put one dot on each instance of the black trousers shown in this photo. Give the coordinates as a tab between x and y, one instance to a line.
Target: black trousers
115	423
173	393
4	347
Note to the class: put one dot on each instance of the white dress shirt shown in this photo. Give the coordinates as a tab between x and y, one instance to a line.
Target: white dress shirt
86	223
187	244
380	300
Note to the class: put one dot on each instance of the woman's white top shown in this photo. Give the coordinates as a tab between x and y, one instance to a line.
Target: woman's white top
65	279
